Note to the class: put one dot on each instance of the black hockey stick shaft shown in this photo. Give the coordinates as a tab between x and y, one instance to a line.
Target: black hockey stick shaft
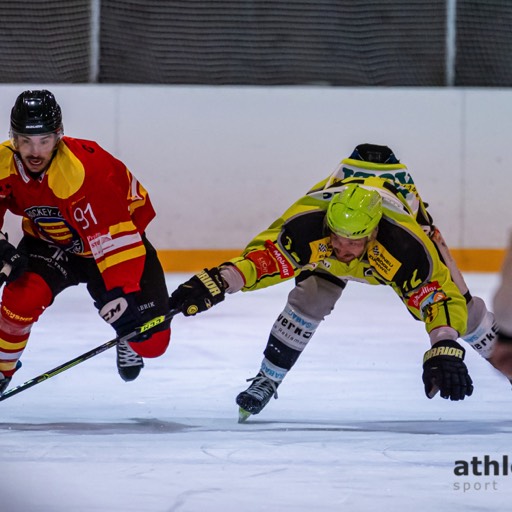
87	355
4	273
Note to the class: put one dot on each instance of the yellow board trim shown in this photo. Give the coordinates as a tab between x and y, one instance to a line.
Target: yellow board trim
193	260
479	260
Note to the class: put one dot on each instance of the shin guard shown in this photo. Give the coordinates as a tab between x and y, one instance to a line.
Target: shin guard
482	329
289	336
23	302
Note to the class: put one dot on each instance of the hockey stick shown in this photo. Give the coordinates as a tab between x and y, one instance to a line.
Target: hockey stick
83	357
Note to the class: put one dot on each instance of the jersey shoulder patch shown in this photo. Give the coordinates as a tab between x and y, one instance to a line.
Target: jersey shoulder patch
6	156
66	174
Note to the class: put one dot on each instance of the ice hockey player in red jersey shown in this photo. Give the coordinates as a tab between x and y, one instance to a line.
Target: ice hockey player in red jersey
84	215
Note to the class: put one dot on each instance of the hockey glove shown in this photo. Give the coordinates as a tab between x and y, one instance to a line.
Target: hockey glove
444	370
120	310
13	263
199	293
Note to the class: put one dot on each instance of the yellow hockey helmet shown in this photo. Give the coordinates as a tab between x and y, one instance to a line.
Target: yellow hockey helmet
354	212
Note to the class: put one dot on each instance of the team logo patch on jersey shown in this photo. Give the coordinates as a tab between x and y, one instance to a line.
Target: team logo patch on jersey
431	292
285	268
429	312
320	249
270	261
264	263
100	243
383	261
53	227
428	299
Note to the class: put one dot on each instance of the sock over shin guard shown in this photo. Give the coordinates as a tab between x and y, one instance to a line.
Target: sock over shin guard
482	329
289	336
23	301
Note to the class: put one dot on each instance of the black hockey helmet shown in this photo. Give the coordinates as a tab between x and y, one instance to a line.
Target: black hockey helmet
374	153
35	113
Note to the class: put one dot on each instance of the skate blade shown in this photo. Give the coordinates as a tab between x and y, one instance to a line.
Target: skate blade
243	415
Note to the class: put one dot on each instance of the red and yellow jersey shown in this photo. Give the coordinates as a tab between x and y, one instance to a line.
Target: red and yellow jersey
87	203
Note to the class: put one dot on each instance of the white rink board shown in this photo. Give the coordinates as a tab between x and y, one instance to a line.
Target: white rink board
221	163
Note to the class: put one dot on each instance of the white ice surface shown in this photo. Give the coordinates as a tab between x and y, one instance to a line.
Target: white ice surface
351	430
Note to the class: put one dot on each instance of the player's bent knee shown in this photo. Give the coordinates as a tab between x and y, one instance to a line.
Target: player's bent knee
154	346
315	297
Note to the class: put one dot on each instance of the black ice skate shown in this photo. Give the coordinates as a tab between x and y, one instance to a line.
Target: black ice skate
129	364
256	396
4	382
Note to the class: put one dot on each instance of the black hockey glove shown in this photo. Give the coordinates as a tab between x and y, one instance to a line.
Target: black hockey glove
12	262
199	293
444	370
120	310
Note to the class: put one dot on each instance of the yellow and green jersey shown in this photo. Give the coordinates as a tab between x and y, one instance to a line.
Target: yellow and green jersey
401	256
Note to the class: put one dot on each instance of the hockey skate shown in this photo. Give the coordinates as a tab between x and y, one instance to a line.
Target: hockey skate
129	364
256	396
4	382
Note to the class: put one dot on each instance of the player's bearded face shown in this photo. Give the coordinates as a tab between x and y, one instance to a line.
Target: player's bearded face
36	150
347	249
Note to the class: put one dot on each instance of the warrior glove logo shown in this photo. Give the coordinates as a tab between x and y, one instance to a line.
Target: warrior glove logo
210	284
444	351
201	292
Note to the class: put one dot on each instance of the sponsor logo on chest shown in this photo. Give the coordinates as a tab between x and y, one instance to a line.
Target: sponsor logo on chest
383	261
